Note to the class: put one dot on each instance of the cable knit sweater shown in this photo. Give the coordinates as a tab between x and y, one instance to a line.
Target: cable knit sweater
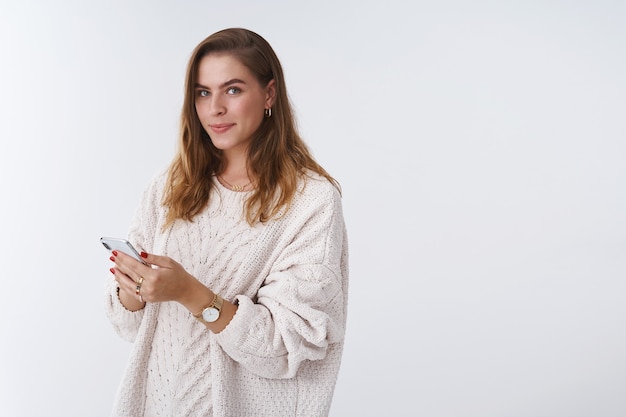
280	354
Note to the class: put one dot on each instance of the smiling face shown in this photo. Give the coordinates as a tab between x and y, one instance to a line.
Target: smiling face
230	102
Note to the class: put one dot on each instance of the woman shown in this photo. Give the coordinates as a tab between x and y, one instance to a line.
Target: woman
243	310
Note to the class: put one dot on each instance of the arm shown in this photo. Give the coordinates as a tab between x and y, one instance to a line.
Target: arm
300	309
123	308
168	282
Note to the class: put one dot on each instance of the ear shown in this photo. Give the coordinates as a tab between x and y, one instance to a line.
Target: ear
270	93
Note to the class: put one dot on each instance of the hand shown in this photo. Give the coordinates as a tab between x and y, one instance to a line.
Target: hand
167	281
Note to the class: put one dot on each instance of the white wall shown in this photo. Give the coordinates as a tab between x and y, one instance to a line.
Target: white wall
481	147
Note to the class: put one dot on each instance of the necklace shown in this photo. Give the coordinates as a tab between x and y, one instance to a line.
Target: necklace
238	188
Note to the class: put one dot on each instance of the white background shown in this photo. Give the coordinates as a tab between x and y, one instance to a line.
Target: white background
480	145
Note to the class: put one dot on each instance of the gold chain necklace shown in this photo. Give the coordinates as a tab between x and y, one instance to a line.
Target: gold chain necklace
238	188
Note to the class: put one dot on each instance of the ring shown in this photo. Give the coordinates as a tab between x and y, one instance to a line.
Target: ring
141	298
138	287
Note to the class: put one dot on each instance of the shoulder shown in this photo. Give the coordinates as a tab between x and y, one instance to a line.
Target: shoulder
156	185
153	191
315	195
313	187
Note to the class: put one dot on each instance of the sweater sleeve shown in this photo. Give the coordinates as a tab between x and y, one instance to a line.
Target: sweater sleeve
141	235
301	307
125	323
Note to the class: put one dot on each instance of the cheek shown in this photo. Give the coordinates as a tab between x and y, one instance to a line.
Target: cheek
254	112
199	112
254	119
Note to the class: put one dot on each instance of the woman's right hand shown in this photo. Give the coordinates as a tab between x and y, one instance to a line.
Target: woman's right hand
165	280
127	288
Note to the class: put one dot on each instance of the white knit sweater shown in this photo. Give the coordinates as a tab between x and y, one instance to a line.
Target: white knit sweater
280	354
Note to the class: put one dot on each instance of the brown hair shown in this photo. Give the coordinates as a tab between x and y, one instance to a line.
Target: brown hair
277	155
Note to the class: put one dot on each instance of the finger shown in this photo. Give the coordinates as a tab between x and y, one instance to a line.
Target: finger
130	266
160	261
124	282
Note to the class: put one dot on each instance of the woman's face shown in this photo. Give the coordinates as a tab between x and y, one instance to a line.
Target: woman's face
230	102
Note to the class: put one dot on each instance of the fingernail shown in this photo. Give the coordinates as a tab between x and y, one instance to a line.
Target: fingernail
114	253
143	254
112	271
112	258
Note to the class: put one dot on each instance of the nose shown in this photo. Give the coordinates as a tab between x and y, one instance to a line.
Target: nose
217	107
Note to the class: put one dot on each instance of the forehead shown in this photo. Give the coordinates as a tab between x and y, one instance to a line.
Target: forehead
217	68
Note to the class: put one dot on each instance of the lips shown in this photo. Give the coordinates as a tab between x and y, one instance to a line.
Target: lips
221	127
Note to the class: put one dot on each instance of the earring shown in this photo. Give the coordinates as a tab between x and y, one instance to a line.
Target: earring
268	112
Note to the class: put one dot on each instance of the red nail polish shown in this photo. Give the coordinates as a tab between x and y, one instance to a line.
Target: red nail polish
112	258
114	253
143	254
112	271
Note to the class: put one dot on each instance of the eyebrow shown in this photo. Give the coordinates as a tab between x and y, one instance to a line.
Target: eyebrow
226	84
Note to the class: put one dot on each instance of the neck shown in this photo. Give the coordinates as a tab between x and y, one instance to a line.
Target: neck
236	185
236	177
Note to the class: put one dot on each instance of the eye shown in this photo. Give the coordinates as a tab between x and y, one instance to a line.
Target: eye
233	90
202	93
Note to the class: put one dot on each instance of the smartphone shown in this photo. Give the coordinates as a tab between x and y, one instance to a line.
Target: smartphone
122	245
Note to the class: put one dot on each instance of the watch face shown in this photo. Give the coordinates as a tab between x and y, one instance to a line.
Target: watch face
210	314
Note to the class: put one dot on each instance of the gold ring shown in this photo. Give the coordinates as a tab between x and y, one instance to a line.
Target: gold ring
140	280
137	289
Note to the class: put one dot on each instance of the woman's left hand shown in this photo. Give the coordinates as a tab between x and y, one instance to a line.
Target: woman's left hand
167	281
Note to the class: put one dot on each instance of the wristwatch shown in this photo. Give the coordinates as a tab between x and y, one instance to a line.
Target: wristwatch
211	312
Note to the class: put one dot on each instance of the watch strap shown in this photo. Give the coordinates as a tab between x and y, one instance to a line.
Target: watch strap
216	303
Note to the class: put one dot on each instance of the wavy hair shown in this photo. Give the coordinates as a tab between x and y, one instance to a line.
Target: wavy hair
277	155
